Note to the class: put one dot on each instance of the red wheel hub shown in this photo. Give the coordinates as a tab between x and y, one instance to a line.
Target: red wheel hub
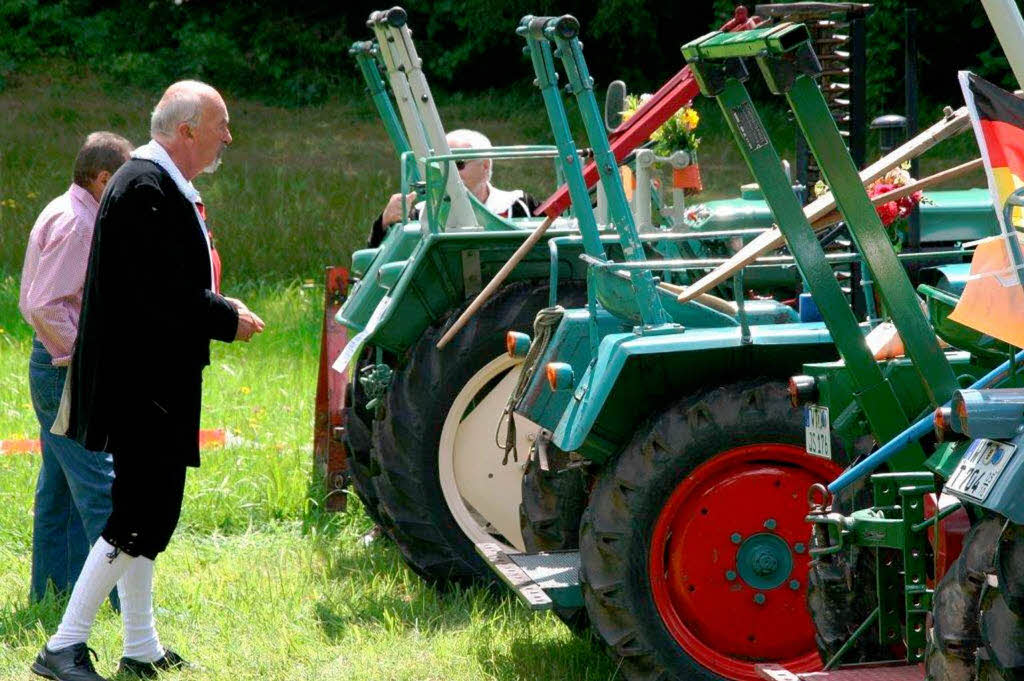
729	560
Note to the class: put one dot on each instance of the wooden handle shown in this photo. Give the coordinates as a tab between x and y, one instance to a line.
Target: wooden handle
497	281
906	190
953	124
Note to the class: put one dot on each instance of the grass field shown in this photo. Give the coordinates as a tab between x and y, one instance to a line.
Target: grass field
259	583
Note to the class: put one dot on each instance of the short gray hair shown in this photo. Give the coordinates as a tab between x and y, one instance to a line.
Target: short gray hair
101	151
474	140
181	103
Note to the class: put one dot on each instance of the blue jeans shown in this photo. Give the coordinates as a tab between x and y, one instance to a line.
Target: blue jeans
73	491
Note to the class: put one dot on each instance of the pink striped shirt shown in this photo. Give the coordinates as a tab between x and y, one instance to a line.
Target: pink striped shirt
53	277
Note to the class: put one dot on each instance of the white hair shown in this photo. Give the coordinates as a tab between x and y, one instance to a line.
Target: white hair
181	103
473	140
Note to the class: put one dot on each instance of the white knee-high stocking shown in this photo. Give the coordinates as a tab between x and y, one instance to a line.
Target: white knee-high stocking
135	588
103	567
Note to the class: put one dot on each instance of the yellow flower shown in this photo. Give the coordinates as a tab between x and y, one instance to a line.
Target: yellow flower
245	390
32	195
690	118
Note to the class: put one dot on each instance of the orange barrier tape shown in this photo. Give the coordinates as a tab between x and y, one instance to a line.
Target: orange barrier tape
207	438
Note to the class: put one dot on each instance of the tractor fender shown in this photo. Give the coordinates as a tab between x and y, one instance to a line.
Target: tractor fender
632	374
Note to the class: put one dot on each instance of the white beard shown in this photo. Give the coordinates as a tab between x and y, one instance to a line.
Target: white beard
212	168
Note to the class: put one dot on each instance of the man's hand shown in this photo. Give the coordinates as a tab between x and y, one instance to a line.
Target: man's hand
249	323
393	211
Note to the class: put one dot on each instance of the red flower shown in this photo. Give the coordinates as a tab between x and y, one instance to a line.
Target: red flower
889	212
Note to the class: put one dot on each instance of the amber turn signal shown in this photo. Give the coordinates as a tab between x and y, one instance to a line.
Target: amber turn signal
560	376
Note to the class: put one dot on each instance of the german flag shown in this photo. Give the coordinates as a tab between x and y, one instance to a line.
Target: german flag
993	300
998	118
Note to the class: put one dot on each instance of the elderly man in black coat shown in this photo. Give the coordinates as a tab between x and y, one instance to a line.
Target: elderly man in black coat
149	312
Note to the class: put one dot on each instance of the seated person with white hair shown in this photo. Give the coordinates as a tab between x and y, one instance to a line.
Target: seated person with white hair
476	175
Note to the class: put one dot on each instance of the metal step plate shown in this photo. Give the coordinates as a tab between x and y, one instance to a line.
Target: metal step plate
542	580
867	672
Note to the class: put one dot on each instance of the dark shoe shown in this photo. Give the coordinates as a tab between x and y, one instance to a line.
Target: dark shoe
67	664
147	670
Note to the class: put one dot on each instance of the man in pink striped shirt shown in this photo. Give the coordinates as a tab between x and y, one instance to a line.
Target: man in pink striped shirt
72	500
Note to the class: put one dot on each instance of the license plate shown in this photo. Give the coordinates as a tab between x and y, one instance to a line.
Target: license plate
978	471
817	431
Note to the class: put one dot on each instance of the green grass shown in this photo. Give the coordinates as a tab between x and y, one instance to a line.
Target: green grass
258	582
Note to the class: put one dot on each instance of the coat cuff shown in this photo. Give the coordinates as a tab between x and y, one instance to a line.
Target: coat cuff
224	319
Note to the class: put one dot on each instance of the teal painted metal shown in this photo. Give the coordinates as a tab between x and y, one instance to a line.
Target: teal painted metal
581	85
367	56
890	279
547	80
714	351
876	397
764	561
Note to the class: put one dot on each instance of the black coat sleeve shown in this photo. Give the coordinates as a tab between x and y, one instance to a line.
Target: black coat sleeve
156	281
377	232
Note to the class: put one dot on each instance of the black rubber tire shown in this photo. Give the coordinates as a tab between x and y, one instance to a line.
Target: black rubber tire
955	633
842	592
553	503
1001	657
359	442
625	503
406	440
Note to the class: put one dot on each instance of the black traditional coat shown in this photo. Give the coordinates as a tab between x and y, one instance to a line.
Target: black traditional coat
148	315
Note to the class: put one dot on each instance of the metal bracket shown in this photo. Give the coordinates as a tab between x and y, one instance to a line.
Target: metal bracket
471	278
781	71
712	76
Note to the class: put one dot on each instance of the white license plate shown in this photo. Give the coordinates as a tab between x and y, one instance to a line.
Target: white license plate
978	471
817	431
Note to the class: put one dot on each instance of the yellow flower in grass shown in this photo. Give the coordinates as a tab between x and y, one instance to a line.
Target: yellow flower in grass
245	390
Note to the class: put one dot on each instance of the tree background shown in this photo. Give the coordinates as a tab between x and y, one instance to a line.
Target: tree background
295	53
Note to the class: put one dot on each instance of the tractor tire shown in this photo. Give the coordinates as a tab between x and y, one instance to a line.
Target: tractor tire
429	405
693	543
553	503
359	442
1001	656
955	634
842	592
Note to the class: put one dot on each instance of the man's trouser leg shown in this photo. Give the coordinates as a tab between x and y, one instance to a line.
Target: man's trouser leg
73	492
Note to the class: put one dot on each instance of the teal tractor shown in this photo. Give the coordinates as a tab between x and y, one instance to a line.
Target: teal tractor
420	430
665	486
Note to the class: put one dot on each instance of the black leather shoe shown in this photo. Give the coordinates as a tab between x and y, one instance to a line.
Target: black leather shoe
67	664
147	670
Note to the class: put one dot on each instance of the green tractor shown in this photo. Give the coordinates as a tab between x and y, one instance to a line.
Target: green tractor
932	546
667	476
418	424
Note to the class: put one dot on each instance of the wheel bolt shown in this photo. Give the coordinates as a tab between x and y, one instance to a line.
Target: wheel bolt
794	585
770	524
736	537
799	548
759	599
730	575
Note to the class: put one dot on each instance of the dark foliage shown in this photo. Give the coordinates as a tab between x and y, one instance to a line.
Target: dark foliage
295	53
